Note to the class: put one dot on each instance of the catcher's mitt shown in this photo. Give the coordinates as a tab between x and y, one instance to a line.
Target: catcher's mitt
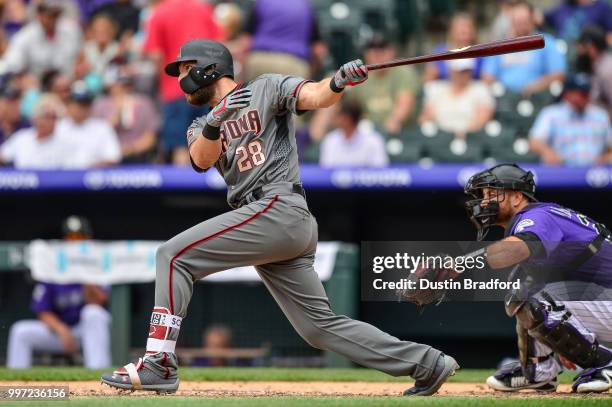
426	295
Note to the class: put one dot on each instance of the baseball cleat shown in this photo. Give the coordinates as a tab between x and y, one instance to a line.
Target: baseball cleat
594	380
445	368
511	378
138	377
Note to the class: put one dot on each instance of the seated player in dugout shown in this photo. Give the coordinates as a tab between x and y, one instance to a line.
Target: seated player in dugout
567	309
71	318
249	137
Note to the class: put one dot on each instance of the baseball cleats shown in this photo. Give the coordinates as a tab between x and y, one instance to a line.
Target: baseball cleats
445	367
511	378
594	380
137	376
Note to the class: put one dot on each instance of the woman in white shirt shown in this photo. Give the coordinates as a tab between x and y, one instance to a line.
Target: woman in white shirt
459	105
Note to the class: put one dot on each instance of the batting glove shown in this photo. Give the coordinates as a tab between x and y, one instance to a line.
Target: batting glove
235	101
350	74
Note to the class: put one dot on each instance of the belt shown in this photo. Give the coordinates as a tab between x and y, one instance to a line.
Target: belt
259	193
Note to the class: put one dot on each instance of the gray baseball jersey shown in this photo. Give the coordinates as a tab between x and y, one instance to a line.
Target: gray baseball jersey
275	232
258	142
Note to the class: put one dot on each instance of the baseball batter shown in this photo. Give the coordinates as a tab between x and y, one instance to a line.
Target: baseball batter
249	137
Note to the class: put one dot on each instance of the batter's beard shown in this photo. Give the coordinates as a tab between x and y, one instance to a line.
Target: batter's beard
201	97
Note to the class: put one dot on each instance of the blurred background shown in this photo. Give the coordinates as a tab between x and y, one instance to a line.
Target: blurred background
90	126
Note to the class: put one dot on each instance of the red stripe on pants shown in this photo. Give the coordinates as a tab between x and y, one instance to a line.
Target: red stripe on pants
207	238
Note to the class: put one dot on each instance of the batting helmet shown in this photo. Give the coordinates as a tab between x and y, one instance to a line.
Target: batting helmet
503	176
212	61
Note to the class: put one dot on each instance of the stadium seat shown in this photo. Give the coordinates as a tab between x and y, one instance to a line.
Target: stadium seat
505	106
458	151
493	136
432	137
443	147
339	25
517	151
379	15
407	148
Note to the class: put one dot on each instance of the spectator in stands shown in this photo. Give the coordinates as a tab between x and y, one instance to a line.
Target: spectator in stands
388	96
460	105
57	84
125	14
568	18
88	7
501	27
526	72
352	144
47	43
11	119
595	59
133	117
172	23
99	51
70	317
86	141
462	32
36	147
281	37
572	132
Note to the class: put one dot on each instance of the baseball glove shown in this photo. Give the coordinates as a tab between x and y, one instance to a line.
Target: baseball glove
421	280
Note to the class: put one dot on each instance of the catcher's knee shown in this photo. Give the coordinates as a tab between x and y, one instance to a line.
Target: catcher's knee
551	325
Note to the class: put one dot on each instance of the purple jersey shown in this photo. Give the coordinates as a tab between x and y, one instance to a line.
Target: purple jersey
564	234
64	300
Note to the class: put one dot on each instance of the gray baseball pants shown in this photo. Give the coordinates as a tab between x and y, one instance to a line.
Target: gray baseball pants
278	235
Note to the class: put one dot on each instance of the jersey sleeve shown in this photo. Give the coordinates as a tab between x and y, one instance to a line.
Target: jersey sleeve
541	224
285	91
42	298
193	132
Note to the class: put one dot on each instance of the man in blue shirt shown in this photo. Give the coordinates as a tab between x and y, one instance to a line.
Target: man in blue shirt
572	132
526	72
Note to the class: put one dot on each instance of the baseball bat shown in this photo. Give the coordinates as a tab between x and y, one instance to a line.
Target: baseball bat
488	49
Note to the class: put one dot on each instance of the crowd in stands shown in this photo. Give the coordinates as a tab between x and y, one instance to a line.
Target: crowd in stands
82	82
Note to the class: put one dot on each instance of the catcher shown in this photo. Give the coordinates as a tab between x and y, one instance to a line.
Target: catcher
570	318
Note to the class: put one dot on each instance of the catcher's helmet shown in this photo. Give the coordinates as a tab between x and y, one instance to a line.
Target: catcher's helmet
212	61
503	176
76	227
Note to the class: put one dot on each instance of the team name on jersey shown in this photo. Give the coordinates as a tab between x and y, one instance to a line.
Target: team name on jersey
249	122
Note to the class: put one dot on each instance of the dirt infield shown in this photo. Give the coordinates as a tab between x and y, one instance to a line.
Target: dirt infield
267	389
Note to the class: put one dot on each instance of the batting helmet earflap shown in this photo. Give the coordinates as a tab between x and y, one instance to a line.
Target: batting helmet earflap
212	61
502	176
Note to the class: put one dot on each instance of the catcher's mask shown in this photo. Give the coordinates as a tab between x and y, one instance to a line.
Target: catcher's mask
501	177
212	60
